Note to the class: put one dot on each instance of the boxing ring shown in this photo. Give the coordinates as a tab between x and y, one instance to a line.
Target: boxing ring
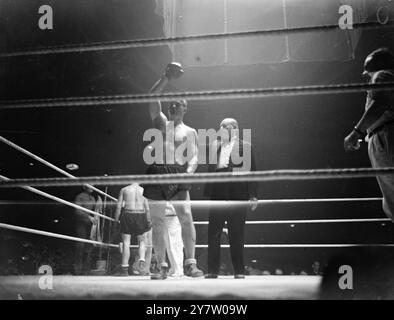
225	287
142	288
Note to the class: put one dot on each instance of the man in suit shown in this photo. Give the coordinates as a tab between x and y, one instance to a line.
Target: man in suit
377	123
86	226
229	148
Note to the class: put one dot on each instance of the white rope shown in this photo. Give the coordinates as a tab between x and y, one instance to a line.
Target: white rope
196	95
138	43
227	203
307	221
218	177
53	235
49	196
61	236
346	245
273	201
232	203
50	165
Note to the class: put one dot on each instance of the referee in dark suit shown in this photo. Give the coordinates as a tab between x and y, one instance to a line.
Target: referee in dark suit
229	149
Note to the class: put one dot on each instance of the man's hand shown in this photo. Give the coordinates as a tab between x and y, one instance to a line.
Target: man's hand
253	203
174	70
352	141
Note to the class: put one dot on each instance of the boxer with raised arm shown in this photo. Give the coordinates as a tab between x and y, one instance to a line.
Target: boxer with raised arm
179	154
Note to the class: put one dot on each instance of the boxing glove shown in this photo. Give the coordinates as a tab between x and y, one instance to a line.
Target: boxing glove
174	70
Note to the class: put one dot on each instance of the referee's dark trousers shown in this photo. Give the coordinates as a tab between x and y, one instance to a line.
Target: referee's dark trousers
235	215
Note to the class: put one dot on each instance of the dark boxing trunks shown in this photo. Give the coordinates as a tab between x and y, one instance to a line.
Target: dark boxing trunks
164	191
134	222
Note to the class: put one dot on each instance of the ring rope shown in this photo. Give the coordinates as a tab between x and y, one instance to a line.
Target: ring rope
50	165
49	196
305	245
138	43
226	203
268	175
195	95
53	235
61	236
307	221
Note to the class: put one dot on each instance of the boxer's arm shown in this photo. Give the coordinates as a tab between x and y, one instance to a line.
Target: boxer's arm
193	162
253	185
119	205
173	70
158	117
147	210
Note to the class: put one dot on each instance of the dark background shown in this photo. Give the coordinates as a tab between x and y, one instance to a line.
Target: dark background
303	132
